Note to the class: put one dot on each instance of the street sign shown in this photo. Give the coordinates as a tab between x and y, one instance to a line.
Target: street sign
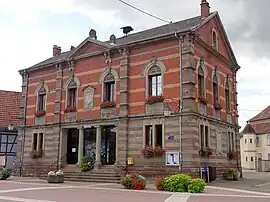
172	158
171	137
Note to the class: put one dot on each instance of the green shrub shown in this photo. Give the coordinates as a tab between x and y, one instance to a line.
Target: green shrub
133	182
176	183
5	173
87	162
196	186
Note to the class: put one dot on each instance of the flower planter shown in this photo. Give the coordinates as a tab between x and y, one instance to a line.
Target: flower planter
55	179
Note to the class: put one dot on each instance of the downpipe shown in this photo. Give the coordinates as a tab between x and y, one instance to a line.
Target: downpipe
180	108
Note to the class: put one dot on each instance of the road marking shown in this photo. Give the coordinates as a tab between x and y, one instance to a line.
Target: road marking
7	198
261	185
239	190
33	189
178	197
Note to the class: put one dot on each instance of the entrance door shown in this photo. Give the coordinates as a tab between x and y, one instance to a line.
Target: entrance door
72	146
108	145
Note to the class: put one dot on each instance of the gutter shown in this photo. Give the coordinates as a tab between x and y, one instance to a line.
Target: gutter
24	123
180	100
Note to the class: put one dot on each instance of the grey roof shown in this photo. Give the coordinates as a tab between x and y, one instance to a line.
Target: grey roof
52	60
179	26
171	28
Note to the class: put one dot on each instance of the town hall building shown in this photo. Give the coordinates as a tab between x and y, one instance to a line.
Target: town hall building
172	87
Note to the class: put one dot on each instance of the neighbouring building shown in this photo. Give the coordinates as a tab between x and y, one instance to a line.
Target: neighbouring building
115	97
255	142
9	123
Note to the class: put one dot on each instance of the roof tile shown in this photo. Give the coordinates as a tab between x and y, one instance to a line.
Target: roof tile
9	108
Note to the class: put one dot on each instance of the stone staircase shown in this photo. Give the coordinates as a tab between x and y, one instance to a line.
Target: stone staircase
105	174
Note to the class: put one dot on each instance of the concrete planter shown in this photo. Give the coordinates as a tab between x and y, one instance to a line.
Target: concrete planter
55	179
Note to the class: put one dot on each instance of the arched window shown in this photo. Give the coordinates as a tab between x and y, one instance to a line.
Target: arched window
201	82
155	81
41	100
227	95
72	94
215	89
214	40
109	88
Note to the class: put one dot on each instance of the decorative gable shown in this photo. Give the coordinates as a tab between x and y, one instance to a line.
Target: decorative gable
88	48
213	33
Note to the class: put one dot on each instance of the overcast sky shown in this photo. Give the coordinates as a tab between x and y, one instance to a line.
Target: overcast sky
30	28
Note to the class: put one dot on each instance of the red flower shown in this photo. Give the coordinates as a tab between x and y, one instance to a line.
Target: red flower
149	151
70	109
107	104
154	99
40	113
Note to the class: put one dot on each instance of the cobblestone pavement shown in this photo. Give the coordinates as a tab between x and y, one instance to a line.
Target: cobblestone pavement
31	190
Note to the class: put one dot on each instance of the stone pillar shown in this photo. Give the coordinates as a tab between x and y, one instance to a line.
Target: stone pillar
58	92
98	147
188	73
153	135
81	144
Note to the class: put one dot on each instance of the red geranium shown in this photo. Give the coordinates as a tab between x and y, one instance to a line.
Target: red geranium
154	99
40	113
70	109
107	104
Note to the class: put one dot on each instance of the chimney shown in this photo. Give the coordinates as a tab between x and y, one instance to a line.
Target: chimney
72	48
93	34
56	50
112	39
205	9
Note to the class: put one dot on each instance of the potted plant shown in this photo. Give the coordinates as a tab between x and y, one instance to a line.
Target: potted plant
205	152
36	154
69	109
154	99
203	99
107	104
55	177
40	113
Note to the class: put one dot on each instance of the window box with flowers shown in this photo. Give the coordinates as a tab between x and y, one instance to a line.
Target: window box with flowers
232	155
107	104
70	109
154	99
36	154
217	106
203	100
40	113
149	152
205	152
154	105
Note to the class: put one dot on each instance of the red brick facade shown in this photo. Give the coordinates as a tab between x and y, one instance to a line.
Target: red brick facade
129	62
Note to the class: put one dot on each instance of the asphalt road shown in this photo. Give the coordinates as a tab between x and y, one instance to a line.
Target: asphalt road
40	191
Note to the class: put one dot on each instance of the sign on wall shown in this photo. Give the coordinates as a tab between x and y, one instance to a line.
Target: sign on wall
172	158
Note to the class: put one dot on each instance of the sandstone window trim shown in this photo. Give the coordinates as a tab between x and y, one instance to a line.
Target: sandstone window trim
109	75
202	77
227	87
72	86
154	69
231	140
38	139
41	97
215	87
214	37
152	129
204	135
